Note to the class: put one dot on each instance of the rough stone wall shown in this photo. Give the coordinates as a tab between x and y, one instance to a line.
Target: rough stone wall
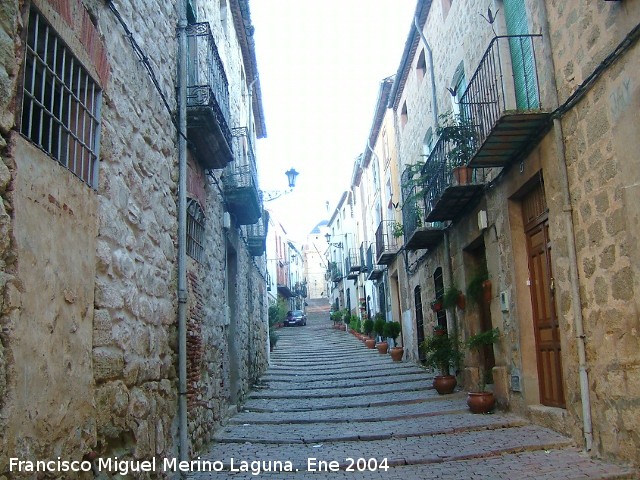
134	350
9	67
602	141
112	320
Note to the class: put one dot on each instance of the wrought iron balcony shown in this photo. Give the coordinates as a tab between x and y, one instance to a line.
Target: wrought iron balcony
335	272
386	243
418	233
207	99
355	262
241	182
257	235
502	100
450	187
374	272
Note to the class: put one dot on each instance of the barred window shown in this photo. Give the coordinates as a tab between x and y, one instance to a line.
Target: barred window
61	102
195	230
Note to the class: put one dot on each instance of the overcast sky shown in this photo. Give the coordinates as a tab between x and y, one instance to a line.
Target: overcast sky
320	65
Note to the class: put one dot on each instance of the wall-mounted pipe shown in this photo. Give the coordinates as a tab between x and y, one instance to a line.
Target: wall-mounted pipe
434	98
183	442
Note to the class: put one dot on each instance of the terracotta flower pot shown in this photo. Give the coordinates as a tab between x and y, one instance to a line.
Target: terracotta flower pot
481	402
382	347
397	353
444	384
370	343
438	331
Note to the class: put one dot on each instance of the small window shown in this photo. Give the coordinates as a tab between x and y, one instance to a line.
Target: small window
195	230
61	102
404	116
421	66
427	144
458	87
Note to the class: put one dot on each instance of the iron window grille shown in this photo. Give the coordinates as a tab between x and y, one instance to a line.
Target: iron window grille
61	102
195	230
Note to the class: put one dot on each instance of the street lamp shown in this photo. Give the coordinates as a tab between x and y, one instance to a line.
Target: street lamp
328	237
270	195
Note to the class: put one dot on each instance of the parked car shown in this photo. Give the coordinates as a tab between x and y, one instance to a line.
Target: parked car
295	317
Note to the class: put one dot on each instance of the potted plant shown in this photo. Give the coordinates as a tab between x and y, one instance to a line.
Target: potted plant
392	330
458	131
481	401
453	297
436	305
441	352
273	339
397	230
367	326
378	327
439	329
479	286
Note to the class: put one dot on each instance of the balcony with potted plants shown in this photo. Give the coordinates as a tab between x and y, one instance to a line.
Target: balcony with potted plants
503	99
241	181
387	244
449	187
417	232
207	100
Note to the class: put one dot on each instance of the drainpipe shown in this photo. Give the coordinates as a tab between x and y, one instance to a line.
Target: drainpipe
576	299
434	99
182	232
449	272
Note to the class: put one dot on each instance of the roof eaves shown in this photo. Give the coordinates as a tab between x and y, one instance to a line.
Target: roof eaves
410	47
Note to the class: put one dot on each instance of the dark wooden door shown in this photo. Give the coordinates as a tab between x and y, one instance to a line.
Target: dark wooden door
547	332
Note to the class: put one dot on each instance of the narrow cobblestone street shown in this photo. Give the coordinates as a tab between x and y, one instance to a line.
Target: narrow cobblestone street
327	397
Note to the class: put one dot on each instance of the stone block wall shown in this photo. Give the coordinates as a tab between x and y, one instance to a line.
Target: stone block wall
601	141
112	316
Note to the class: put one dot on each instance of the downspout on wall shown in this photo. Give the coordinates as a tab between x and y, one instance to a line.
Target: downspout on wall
567	210
183	442
434	99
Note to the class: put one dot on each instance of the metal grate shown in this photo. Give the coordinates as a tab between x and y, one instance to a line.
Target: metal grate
61	102
195	231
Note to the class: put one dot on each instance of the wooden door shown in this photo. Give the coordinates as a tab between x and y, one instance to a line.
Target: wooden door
545	321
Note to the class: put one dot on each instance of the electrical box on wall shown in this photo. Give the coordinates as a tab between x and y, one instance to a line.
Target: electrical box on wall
504	301
482	219
515	380
226	220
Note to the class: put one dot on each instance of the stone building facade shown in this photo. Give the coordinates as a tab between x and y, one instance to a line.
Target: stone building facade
547	208
89	229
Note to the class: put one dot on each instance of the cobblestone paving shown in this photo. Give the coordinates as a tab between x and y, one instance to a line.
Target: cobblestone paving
329	408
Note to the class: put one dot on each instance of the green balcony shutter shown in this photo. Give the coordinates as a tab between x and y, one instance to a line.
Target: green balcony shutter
524	74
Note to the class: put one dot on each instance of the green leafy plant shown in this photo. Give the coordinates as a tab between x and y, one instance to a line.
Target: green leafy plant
474	287
367	326
450	297
378	326
397	230
479	342
459	133
441	352
392	330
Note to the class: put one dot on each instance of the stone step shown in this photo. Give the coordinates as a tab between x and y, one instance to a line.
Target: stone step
371	400
523	462
359	431
371	381
454	403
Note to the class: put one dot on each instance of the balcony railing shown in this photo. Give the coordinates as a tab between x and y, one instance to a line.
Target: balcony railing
386	243
503	102
207	99
355	265
418	233
257	235
335	272
241	182
450	187
374	271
